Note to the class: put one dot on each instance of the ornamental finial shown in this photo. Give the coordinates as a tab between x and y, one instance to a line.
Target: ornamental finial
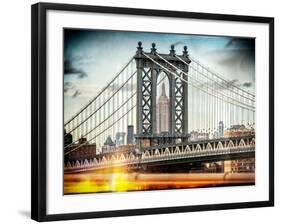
172	51
185	52
139	51
153	49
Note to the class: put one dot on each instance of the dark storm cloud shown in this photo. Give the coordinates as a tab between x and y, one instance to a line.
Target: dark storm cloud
70	69
74	61
240	43
241	52
238	59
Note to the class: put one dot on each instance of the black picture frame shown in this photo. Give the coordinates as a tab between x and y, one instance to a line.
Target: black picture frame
39	114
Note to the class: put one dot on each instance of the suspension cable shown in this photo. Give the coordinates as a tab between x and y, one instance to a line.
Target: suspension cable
96	126
218	76
195	79
176	75
106	86
103	103
208	77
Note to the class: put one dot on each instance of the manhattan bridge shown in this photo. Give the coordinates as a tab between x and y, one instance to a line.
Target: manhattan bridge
199	99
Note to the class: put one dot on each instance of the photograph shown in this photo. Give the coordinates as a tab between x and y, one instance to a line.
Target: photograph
146	111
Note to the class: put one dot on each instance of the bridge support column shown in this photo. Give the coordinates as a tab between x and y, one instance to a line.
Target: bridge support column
139	93
153	100
185	106
172	106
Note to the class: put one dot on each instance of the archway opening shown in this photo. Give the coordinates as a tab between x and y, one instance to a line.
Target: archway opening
163	104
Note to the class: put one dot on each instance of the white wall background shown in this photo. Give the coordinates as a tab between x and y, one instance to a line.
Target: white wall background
15	110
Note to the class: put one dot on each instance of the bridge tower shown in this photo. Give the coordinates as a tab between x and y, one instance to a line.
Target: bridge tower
149	66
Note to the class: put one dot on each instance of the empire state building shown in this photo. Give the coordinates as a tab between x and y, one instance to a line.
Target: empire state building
162	109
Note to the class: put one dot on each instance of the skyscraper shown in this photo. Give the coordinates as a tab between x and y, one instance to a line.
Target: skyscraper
108	145
120	138
130	134
221	129
162	109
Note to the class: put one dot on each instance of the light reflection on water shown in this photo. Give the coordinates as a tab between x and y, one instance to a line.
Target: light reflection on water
118	181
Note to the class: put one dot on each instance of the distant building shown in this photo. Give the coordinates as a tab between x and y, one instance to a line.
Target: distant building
227	166
109	141
109	145
213	167
221	129
243	165
162	110
203	136
67	138
120	138
81	151
130	134
82	140
193	136
240	165
128	147
238	130
215	135
196	136
145	143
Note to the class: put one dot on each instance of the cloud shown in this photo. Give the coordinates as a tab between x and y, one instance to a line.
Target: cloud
76	93
235	82
70	89
82	60
178	43
236	60
240	43
241	52
128	87
247	84
70	69
224	85
218	85
68	86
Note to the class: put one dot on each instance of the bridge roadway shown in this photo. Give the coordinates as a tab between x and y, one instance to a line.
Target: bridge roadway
169	155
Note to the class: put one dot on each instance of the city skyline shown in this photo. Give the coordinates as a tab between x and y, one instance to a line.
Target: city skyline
121	137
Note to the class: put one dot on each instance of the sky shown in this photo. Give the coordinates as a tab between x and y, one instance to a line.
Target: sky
93	57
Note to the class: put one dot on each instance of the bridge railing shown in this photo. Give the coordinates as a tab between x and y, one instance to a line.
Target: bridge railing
174	153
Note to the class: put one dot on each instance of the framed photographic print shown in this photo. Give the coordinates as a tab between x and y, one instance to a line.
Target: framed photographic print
139	111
